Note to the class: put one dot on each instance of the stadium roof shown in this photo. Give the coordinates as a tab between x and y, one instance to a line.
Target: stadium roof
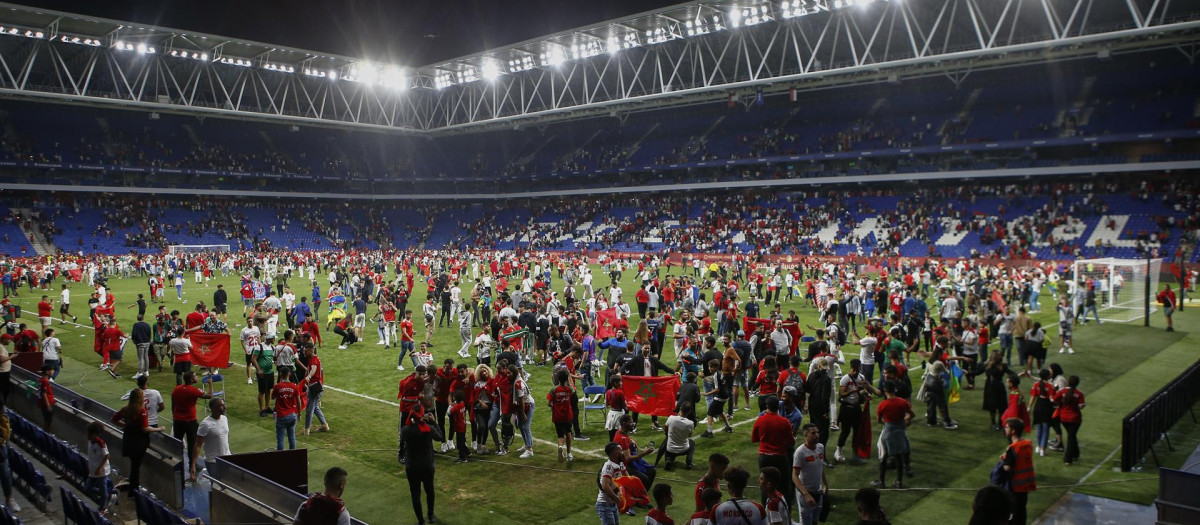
680	54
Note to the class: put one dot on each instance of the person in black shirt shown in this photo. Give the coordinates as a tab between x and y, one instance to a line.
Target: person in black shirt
220	297
142	335
642	363
418	437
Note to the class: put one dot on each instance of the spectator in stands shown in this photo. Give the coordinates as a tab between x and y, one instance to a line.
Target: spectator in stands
326	508
6	481
98	485
212	436
136	429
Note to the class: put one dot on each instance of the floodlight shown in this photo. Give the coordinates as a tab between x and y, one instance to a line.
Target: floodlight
490	70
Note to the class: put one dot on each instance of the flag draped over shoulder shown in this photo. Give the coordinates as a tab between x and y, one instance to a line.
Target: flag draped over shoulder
954	385
652	396
210	350
749	324
606	323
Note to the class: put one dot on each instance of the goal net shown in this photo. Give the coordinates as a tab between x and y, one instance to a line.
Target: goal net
197	248
1120	286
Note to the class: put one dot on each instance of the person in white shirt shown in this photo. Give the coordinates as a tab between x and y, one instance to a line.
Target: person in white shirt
455	300
212	436
51	347
587	284
249	337
153	399
64	305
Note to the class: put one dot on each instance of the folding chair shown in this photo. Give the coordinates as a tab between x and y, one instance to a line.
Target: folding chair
588	392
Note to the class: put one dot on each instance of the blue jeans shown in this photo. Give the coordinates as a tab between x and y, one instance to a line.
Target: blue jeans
314	406
1094	312
526	430
1043	434
810	515
585	369
609	515
405	347
1006	346
1033	301
285	424
99	488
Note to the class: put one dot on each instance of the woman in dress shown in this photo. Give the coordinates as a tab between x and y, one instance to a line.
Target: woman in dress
135	424
994	401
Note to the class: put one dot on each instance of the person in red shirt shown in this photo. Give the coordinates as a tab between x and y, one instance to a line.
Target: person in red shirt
314	380
45	395
46	311
717	465
458	424
895	413
409	396
705	501
773	433
768	381
662	499
110	348
183	413
775	503
287	409
1167	299
407	344
631	453
1070	402
195	320
562	411
443	378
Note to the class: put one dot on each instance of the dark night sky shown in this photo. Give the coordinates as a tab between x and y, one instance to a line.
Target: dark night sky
384	30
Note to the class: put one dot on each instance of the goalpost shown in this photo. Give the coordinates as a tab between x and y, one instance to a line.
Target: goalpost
197	248
1122	288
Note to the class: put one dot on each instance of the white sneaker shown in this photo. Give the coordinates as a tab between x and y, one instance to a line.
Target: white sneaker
1070	350
104	367
400	367
562	456
379	343
249	381
527	454
12	505
570	458
837	455
1062	349
445	447
341	347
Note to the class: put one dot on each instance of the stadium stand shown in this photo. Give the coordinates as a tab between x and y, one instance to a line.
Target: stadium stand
1088	115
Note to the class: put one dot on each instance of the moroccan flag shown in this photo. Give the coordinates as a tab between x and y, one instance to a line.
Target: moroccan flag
749	324
862	447
606	323
210	350
652	396
998	298
632	492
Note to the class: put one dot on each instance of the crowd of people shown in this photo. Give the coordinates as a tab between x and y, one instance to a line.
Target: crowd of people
723	327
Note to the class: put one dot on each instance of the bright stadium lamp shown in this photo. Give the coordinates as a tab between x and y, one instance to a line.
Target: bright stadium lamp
489	69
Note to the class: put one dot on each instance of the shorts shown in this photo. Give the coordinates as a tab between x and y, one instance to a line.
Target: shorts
249	360
716	407
46	321
360	320
266	382
740	379
182	367
248	301
1064	328
65	308
1167	311
562	429
219	308
116	355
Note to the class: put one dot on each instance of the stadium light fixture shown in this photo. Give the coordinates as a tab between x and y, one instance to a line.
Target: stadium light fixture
554	56
523	63
703	25
68	39
282	68
27	33
233	61
489	69
194	55
659	35
443	79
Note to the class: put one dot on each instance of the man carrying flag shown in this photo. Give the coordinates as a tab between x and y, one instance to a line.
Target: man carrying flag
644	365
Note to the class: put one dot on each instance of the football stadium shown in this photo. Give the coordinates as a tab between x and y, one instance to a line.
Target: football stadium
727	262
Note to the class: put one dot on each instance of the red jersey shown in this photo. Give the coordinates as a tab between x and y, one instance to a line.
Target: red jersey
767	387
183	402
893	410
658	517
193	320
561	409
458	417
287	399
441	390
410	392
318	375
615	399
773	433
406	330
700	488
44	309
111	340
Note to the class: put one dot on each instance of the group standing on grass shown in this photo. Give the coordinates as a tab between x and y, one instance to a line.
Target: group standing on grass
728	347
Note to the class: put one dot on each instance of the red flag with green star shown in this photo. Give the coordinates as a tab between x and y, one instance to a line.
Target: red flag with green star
652	396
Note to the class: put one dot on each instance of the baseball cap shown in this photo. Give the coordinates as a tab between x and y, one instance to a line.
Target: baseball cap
741	333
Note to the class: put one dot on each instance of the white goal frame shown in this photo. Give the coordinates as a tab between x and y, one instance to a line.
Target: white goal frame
1126	303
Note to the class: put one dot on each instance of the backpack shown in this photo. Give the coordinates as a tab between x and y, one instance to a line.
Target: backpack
841	335
795	380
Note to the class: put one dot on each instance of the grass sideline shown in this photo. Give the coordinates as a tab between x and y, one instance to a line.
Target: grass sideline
541	490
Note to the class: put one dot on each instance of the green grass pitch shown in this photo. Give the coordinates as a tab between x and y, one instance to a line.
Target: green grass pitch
1120	365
